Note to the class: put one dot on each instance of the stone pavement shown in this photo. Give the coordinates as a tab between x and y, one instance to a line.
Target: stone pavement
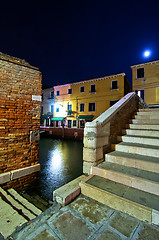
83	219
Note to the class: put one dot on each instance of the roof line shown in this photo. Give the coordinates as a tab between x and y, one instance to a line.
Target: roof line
141	64
93	79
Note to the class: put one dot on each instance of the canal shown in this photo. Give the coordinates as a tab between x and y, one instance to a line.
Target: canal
61	161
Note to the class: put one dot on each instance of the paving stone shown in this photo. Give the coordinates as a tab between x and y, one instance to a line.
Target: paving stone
71	227
149	233
107	235
124	224
31	229
92	210
45	234
75	222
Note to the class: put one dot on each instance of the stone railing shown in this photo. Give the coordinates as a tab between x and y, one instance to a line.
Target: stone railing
103	131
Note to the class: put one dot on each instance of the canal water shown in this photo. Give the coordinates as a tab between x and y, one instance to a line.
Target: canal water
61	161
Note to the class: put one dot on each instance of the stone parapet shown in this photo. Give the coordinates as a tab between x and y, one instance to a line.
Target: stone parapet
103	131
21	172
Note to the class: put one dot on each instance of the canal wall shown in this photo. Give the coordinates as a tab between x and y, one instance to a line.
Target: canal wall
20	105
68	133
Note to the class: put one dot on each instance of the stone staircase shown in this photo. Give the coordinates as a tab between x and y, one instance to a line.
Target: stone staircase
128	179
15	210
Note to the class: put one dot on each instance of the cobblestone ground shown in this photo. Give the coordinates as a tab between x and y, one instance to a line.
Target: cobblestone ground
85	219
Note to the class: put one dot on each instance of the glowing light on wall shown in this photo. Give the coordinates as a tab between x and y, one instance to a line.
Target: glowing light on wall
62	109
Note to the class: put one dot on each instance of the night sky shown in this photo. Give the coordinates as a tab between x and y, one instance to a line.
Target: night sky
77	40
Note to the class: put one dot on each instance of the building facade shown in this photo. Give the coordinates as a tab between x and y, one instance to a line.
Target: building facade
145	81
77	103
47	106
62	105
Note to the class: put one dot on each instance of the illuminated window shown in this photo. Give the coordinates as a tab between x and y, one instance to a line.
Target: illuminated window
114	84
92	107
140	72
70	91
69	108
58	93
93	88
82	89
81	107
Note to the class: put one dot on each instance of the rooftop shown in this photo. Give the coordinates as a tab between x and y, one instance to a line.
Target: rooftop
142	64
93	79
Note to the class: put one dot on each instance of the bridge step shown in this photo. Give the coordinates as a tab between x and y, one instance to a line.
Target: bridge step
142	132
129	178
134	202
144	126
141	149
147	115
149	110
145	121
140	179
139	139
134	160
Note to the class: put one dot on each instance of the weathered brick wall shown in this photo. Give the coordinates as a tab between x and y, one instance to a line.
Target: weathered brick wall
20	84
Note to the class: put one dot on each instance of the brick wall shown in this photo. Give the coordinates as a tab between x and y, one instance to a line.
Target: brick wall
20	91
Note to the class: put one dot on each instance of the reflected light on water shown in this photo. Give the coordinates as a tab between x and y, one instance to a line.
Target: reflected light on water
61	161
55	160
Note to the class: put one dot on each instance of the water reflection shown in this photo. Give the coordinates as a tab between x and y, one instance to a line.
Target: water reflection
61	162
55	160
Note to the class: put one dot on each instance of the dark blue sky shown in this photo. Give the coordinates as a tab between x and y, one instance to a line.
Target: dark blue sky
77	40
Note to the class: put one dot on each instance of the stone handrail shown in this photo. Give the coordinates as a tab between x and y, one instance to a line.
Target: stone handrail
103	131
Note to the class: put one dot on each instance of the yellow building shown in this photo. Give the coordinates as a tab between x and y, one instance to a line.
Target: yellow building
84	101
145	81
61	104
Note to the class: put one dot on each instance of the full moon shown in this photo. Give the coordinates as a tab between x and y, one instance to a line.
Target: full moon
147	53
